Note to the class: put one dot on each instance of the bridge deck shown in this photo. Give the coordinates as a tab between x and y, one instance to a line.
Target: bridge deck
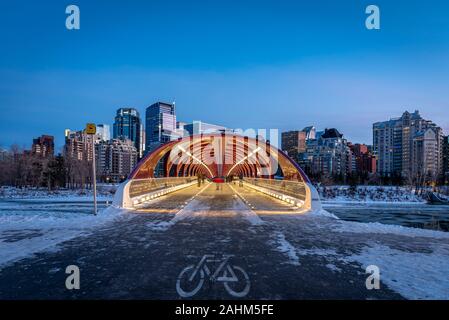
141	255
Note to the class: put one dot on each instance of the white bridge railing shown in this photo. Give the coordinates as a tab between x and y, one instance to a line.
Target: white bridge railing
300	194
132	193
295	189
140	187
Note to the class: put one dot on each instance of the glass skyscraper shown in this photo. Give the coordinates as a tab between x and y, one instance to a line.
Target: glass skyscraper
127	125
160	123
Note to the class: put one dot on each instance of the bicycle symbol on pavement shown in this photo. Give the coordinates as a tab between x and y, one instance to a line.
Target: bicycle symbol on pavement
192	278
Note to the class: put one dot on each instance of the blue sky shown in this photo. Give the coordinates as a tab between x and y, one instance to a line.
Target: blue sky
243	64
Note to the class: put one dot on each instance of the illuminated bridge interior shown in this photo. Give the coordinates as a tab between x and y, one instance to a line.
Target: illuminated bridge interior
231	161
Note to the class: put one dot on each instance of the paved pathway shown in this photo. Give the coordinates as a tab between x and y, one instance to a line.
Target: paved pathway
140	256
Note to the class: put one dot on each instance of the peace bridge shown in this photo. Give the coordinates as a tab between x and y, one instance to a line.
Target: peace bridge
229	159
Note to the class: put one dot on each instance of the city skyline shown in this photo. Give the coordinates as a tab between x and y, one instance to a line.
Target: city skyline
60	136
287	66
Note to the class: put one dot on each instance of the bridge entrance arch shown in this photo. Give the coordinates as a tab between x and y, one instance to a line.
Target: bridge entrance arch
177	164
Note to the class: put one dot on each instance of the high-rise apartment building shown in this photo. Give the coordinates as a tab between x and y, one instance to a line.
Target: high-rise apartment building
293	142
79	145
160	122
365	161
310	132
446	157
425	154
44	146
115	159
328	155
127	125
3	154
408	146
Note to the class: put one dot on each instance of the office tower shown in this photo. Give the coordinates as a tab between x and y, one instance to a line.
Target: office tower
104	132
180	131
408	146
160	122
44	146
198	127
127	125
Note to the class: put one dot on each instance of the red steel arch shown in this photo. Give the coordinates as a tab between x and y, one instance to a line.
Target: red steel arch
219	155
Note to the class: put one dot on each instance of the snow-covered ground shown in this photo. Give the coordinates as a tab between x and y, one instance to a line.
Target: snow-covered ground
367	194
416	267
28	227
412	262
104	193
379	228
415	275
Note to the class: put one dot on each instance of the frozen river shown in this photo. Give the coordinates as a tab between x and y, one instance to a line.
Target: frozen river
407	215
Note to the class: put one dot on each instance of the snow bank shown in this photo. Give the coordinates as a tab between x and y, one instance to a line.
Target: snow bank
368	194
103	193
323	213
414	275
23	234
376	227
